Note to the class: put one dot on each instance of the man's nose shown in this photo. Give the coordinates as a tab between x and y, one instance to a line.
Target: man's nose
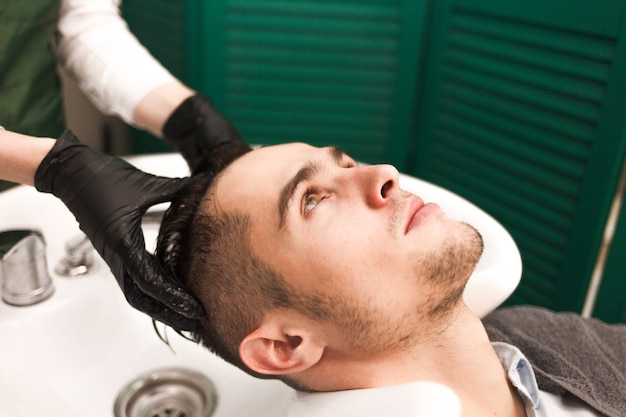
379	182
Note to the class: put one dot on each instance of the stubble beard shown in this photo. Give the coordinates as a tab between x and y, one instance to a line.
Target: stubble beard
442	275
446	273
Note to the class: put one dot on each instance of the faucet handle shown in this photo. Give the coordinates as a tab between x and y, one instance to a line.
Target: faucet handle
79	257
24	274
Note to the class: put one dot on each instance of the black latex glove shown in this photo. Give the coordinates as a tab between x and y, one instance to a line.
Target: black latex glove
195	127
108	197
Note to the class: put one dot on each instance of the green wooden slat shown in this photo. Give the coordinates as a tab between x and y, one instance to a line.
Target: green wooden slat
499	85
363	60
555	35
302	24
551	60
516	144
312	42
534	295
539	262
349	10
311	104
557	125
313	74
535	77
509	155
292	88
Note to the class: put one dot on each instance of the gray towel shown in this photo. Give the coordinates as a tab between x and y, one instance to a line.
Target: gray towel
570	355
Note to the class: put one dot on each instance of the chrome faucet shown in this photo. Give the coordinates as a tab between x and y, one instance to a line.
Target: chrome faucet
24	278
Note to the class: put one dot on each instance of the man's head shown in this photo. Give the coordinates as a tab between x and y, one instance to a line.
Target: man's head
300	255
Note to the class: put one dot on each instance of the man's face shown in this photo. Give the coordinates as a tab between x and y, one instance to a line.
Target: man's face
347	234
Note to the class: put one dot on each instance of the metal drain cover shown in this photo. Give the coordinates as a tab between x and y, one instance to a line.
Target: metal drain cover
167	392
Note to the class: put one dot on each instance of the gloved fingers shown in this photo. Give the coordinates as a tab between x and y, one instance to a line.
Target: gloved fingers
108	196
85	170
160	312
196	127
143	272
155	190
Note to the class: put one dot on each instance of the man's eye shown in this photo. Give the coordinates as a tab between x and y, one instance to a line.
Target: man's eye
310	201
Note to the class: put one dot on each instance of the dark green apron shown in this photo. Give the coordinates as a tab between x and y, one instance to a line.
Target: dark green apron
30	91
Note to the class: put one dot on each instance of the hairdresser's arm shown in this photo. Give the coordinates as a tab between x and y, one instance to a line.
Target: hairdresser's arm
121	77
111	66
20	156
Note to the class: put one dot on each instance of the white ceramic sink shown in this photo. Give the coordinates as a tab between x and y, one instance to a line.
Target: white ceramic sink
71	354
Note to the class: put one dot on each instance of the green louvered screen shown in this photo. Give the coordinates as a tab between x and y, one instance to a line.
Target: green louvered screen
339	72
322	72
523	113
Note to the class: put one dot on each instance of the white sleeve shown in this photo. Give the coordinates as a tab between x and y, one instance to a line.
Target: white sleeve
112	68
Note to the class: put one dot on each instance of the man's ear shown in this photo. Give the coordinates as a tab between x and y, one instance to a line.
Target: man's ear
278	348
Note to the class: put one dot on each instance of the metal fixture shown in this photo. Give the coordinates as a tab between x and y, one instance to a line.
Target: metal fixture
78	258
23	267
167	392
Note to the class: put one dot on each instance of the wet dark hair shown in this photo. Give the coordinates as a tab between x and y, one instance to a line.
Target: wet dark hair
172	247
209	254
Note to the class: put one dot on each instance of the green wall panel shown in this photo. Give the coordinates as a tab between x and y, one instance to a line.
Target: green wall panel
522	113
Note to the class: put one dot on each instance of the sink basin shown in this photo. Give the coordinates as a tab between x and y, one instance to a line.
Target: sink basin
72	354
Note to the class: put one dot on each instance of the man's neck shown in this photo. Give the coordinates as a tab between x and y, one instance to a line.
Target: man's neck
458	355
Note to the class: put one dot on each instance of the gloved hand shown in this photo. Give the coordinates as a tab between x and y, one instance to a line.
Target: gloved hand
108	197
195	127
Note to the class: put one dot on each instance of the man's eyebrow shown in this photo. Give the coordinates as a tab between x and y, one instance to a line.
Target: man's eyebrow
305	173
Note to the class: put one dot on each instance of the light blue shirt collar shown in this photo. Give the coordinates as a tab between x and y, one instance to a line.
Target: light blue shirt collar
522	377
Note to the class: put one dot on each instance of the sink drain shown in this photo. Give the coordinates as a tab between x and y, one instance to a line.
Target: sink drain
167	392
